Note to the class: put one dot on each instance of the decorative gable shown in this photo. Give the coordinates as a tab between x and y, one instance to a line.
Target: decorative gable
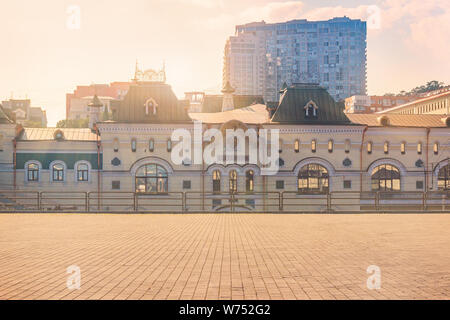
311	109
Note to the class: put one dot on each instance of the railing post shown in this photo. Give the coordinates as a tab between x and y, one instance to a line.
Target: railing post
183	202
86	201
424	194
377	200
39	201
329	202
280	201
135	204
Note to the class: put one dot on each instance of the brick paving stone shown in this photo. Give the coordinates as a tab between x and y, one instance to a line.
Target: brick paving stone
224	256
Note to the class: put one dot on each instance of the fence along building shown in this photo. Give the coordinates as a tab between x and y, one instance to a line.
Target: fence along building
125	164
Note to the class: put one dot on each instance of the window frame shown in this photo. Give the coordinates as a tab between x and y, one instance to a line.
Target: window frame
83	172
36	172
250	181
216	179
297	146
61	175
232	181
313	178
159	178
443	178
387	181
313	145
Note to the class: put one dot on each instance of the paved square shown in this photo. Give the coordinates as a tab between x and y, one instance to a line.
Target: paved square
224	256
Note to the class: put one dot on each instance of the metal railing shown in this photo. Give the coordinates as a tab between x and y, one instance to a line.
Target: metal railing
192	201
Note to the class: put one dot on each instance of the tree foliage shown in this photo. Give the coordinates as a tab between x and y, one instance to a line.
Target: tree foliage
73	123
429	86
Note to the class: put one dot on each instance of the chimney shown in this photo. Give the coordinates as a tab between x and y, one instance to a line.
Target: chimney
227	101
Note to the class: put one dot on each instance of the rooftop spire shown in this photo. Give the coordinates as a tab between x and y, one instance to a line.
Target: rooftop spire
228	88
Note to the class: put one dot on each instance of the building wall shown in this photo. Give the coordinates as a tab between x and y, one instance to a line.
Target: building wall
439	104
331	53
341	165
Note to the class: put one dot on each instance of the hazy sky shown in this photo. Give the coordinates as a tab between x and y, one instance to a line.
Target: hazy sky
43	57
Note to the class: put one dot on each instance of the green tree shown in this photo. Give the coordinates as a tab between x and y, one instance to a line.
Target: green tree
73	123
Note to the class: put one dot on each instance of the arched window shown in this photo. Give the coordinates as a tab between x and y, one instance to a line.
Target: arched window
33	172
249	181
133	145
233	181
369	147
330	145
82	172
311	110
444	178
216	181
386	177
313	145
152	178
151	145
150	107
58	172
297	146
403	148
313	178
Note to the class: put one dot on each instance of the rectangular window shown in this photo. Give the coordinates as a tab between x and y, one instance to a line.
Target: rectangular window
436	148
186	184
169	145
369	147
330	146
347	184
297	146
151	145
419	185
386	147
133	145
313	146
250	202
216	202
347	145
115	185
403	147
419	148
280	184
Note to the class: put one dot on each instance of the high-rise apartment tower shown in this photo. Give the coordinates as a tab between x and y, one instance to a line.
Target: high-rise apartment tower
261	57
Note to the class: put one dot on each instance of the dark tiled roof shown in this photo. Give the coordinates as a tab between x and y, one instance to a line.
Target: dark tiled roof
296	97
400	120
132	107
213	103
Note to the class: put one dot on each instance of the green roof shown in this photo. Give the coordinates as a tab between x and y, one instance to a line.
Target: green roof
291	108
